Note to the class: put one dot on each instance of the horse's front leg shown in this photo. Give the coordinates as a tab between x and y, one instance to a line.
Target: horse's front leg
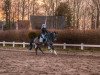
49	48
53	50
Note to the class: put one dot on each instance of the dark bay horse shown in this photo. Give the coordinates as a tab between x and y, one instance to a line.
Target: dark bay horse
50	38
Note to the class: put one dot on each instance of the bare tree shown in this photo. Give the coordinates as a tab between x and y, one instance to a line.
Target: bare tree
23	2
33	6
7	11
76	12
97	5
28	9
93	22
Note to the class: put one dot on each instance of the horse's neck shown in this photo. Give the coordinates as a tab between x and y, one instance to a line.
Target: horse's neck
49	36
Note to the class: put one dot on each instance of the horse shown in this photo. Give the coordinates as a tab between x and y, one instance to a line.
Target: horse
50	38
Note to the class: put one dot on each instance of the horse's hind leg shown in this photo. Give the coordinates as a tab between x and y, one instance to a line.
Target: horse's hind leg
41	50
36	50
38	47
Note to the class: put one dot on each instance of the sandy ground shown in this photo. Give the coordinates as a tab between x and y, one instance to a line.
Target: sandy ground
27	63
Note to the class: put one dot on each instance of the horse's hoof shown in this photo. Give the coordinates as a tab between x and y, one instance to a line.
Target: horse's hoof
55	52
50	51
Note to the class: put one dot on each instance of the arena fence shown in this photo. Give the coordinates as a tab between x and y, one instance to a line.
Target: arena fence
64	45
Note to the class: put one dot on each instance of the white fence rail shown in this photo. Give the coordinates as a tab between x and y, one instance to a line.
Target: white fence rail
64	45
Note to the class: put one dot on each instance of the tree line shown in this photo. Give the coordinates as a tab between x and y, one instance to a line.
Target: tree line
79	14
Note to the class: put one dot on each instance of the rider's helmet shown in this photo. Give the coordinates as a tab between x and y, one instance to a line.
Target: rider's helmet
43	26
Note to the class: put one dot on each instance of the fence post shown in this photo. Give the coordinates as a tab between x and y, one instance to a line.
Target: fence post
3	43
13	44
82	47
64	46
23	44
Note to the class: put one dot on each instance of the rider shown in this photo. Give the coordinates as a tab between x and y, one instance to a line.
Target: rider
43	28
43	33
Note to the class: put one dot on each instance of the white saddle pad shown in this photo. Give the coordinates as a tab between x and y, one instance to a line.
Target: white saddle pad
41	39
